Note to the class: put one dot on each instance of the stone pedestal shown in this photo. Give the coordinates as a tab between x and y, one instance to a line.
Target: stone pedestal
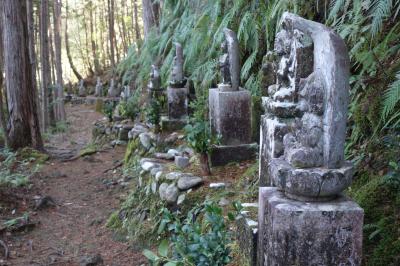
221	155
230	118
308	233
247	239
177	103
168	125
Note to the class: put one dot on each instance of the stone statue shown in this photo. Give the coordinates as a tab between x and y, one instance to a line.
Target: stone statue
155	78
99	88
310	102
177	76
112	91
229	62
303	212
82	89
126	93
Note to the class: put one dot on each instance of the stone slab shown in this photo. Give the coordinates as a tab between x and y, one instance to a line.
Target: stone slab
230	116
222	155
177	103
169	125
308	233
247	239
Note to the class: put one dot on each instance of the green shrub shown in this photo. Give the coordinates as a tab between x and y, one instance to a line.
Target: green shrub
108	110
130	108
201	239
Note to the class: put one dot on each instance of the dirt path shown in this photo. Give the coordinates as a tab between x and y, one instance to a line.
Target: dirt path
75	229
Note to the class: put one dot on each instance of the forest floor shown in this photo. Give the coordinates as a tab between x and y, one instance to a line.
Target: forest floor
71	231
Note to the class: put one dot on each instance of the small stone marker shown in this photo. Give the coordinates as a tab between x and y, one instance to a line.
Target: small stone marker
230	109
82	89
181	162
112	91
99	88
304	219
177	94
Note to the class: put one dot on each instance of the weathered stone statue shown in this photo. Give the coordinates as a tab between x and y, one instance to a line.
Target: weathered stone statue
230	109
177	75
303	218
112	91
155	78
177	94
229	62
82	89
99	88
126	93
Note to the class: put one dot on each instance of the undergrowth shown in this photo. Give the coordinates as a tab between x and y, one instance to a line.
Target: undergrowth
17	167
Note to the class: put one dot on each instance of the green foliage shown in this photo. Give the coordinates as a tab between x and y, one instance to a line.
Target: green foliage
201	238
131	107
198	132
198	135
17	167
391	100
199	25
59	127
140	212
371	29
379	195
153	113
108	109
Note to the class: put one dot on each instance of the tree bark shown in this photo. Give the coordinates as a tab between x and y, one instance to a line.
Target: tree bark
23	124
3	115
45	64
137	28
32	56
59	92
67	48
111	32
93	42
150	11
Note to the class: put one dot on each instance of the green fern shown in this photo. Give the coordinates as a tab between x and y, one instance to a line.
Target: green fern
391	98
381	9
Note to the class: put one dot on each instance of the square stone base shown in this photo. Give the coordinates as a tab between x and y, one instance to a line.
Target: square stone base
230	116
168	125
178	102
222	155
302	233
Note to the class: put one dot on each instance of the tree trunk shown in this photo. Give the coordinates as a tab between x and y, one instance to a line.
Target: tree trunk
93	42
111	32
137	28
3	116
59	92
204	164
32	56
67	48
23	124
150	11
45	64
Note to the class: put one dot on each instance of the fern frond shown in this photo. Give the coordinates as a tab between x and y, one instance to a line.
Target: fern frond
381	9
391	98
